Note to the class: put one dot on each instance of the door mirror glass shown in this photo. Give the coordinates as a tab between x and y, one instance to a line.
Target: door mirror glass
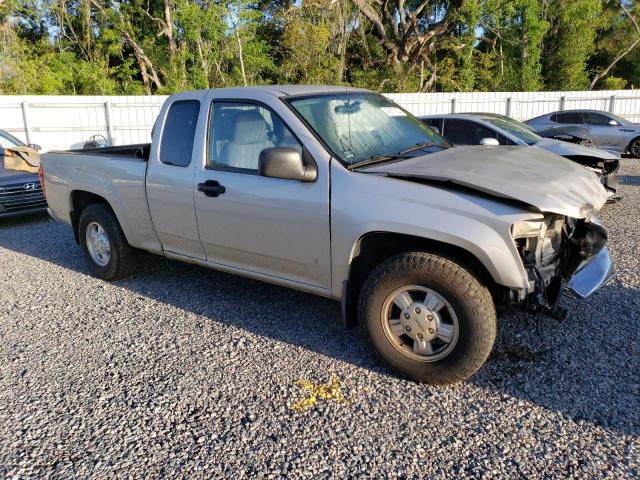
613	123
287	163
489	141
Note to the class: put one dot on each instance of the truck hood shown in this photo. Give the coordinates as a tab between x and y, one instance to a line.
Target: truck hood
527	174
565	149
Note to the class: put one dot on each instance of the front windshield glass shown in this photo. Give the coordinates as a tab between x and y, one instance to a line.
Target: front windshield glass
357	126
617	118
8	141
523	133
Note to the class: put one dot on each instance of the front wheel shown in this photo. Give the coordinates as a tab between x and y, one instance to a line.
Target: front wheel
428	317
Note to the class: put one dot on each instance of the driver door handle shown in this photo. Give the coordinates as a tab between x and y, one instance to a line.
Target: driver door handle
211	188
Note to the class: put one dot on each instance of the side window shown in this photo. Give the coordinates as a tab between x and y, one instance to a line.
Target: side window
569	117
457	132
505	141
554	118
484	132
238	132
595	119
176	145
434	122
465	132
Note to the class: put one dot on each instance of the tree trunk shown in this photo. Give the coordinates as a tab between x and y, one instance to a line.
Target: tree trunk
240	55
169	28
622	54
147	70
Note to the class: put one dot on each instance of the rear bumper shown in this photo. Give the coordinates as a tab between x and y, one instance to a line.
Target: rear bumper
591	275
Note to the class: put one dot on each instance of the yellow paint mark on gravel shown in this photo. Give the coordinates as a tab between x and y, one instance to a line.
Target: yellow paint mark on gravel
330	391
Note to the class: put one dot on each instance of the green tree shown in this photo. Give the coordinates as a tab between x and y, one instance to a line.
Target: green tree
513	33
570	42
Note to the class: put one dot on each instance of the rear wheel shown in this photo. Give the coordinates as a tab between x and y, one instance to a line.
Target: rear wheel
428	317
104	245
634	148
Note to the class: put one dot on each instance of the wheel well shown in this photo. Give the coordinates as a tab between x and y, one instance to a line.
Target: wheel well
376	247
628	149
79	201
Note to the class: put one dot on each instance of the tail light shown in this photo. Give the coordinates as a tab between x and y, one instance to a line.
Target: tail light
41	178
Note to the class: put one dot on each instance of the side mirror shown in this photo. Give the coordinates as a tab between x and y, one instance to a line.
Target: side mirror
489	141
613	123
35	146
435	129
287	163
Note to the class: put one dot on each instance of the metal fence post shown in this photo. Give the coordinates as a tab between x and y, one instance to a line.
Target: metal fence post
562	102
612	103
508	107
25	121
453	105
107	117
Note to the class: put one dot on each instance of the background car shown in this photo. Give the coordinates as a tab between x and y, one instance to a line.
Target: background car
569	133
493	129
20	192
610	131
566	133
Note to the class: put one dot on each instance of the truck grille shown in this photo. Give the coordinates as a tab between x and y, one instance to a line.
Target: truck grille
21	197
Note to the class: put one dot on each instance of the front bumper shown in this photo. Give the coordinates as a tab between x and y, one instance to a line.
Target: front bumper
592	274
610	181
18	213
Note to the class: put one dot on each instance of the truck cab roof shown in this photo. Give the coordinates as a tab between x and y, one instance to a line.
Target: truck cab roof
288	90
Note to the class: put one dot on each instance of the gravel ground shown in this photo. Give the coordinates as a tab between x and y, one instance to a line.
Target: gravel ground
182	371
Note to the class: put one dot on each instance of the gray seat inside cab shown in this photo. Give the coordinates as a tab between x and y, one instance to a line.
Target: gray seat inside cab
250	136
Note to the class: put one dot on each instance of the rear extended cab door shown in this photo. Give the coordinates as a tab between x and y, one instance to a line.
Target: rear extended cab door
170	173
269	228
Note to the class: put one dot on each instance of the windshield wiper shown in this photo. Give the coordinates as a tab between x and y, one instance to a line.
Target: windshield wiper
417	146
376	159
393	156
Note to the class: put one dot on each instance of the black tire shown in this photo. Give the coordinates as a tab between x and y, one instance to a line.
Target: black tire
470	300
123	259
634	148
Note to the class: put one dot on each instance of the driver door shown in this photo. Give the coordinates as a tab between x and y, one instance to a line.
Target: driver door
268	227
598	124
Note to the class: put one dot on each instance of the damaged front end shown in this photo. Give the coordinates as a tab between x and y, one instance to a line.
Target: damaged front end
606	169
561	253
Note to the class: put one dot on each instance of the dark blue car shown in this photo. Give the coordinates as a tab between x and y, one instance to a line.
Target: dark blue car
20	192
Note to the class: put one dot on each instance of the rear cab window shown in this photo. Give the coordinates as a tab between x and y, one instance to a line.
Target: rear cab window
176	144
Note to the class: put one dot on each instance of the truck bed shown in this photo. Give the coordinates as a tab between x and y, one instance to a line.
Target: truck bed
116	174
138	150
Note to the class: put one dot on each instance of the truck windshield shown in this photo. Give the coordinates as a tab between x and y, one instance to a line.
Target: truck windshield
361	126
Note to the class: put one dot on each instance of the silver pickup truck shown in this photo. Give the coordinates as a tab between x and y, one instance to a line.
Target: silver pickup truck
344	194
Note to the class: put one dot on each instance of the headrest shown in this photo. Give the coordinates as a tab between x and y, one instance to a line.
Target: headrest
250	127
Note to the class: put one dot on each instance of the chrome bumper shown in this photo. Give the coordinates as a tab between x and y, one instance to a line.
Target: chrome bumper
592	275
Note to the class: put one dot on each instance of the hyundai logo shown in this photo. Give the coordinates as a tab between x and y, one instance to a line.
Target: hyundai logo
30	186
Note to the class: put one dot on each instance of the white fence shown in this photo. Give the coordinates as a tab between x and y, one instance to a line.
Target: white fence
59	122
